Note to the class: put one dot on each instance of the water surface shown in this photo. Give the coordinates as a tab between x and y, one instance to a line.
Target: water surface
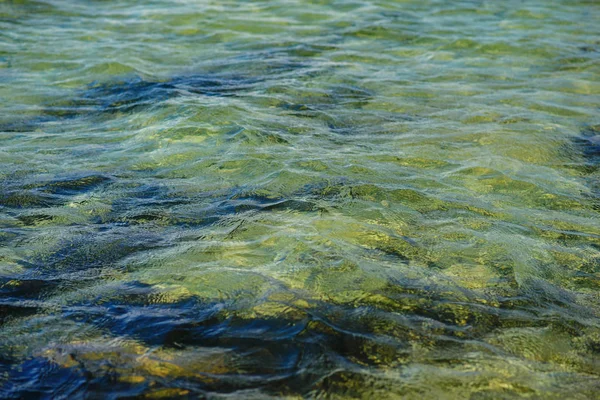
292	199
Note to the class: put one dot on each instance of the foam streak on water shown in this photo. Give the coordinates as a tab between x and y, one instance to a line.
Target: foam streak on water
287	199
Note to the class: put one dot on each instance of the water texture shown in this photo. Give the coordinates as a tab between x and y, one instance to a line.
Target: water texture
367	199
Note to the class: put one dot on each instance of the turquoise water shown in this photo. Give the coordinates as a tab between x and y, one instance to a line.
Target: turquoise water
291	199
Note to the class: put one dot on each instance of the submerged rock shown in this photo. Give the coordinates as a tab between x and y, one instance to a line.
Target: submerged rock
589	143
130	94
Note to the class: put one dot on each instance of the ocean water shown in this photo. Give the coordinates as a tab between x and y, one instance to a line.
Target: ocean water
367	199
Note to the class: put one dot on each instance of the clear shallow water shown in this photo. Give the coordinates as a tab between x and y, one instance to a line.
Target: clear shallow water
369	199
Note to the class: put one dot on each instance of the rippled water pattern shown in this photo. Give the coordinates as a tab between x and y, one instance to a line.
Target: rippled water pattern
366	199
